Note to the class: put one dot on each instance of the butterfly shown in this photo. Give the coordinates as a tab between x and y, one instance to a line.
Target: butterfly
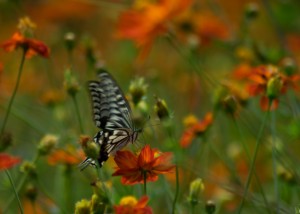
112	114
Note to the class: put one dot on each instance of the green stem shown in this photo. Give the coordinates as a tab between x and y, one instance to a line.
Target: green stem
68	187
248	160
254	158
19	187
145	182
14	93
77	113
15	191
176	191
274	163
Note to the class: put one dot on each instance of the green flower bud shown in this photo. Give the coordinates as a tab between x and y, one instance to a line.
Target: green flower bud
161	109
90	148
289	66
31	192
251	11
210	207
82	207
5	140
97	205
47	144
196	188
274	87
70	41
137	90
71	84
29	168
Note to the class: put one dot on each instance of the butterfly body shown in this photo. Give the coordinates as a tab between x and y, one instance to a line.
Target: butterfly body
112	114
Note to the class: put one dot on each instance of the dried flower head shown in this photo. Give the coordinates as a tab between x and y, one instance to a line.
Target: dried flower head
47	144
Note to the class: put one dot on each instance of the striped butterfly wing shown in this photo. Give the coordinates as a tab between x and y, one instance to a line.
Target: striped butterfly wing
112	114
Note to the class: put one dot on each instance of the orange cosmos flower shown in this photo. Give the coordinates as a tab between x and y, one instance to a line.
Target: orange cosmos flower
149	162
68	156
130	205
269	82
30	46
195	129
7	161
145	22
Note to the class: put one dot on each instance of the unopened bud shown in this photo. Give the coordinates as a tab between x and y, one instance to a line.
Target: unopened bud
251	11
137	90
5	140
71	84
31	192
82	207
70	41
274	87
210	207
47	144
90	148
97	205
29	168
161	109
196	188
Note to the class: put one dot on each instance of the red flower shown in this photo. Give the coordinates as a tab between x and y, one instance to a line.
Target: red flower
145	23
149	162
31	46
196	129
7	161
129	205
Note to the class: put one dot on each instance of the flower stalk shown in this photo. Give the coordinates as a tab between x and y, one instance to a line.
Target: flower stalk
14	92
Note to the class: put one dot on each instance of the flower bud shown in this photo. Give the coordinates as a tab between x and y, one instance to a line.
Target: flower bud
210	207
90	148
47	144
70	42
26	26
82	207
29	168
196	188
5	141
289	66
97	205
230	105
31	192
251	11
274	87
71	84
137	90
161	109
286	175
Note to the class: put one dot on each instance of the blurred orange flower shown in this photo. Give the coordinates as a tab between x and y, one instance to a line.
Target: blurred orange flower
130	205
269	82
196	129
30	46
148	20
149	163
68	156
7	161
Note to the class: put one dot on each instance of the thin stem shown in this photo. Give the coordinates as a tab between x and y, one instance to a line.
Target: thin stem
145	182
177	190
77	113
68	187
246	149
15	191
274	163
254	157
19	187
14	93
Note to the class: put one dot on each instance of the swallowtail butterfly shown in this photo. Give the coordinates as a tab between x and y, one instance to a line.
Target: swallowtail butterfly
112	114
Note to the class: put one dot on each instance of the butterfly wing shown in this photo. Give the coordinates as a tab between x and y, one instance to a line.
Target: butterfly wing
112	114
110	107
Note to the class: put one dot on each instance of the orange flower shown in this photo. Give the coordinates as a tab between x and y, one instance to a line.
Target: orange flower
270	83
7	161
149	163
68	156
144	23
129	205
197	129
31	46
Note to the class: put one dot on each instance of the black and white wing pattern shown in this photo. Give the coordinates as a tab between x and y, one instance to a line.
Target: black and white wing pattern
112	114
